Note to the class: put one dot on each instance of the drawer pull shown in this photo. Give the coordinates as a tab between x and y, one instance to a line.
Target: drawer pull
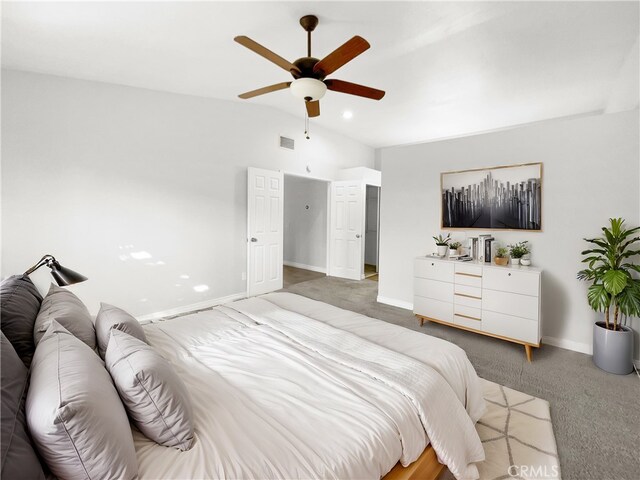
509	274
432	264
467	316
469	274
468	296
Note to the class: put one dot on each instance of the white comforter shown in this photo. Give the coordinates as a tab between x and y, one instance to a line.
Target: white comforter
286	387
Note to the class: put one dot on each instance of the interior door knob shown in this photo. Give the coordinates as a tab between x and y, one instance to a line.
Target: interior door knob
357	235
254	239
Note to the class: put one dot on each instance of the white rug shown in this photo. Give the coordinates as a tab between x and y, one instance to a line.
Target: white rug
517	436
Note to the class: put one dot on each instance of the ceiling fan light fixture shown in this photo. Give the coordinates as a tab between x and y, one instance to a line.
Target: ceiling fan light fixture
309	89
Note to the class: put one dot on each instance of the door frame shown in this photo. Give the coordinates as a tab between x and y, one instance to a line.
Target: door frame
328	182
377	224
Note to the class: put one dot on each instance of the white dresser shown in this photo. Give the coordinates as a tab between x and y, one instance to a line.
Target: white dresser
502	302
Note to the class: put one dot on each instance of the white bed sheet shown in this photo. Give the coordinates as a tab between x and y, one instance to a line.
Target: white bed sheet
265	407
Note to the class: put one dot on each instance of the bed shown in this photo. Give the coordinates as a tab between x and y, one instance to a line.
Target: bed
283	386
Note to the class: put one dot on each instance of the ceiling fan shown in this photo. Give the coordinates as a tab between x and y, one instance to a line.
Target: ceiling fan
309	73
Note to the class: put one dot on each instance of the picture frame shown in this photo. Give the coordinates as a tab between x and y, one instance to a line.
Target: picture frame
505	197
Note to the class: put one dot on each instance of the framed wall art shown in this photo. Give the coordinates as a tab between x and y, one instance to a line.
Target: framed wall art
498	198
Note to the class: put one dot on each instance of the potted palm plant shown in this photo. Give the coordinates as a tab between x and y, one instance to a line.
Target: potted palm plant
615	291
443	244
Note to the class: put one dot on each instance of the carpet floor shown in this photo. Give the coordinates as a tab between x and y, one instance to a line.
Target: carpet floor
595	415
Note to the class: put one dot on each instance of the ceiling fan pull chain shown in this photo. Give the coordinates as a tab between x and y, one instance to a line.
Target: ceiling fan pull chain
306	125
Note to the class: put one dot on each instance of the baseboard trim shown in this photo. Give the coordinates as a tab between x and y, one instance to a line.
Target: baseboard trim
313	268
568	344
190	308
395	303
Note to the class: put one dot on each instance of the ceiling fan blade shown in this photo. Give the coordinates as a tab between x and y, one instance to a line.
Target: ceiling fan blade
263	90
341	56
266	53
354	89
313	108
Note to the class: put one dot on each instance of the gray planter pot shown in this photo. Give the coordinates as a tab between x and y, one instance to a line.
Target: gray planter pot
613	350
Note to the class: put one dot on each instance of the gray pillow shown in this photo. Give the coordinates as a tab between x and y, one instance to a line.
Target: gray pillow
152	392
69	311
19	460
113	317
75	416
19	305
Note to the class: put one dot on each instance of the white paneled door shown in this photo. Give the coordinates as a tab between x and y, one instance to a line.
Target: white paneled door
265	231
346	250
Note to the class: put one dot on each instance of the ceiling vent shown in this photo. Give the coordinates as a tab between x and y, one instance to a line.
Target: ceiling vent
288	143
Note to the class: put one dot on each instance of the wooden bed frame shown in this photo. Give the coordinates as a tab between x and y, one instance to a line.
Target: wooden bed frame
426	467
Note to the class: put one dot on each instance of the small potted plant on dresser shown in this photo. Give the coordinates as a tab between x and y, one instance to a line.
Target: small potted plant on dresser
453	248
615	291
502	256
443	244
518	251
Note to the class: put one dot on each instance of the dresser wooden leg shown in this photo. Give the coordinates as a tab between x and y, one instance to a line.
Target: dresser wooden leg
421	321
529	352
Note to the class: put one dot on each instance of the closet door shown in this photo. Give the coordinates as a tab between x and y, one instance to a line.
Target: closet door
346	246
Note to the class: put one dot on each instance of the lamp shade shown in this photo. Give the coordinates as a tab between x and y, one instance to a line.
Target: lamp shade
309	89
65	276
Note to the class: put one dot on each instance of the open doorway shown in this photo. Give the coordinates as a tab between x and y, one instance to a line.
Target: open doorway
305	229
372	232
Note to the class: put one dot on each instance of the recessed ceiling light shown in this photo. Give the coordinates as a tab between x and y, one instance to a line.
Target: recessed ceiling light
347	114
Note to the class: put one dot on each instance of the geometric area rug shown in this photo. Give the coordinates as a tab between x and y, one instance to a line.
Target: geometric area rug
517	436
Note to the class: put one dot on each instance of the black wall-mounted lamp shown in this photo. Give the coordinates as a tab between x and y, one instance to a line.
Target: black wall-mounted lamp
63	276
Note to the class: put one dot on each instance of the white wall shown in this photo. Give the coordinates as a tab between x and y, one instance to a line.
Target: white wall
92	172
305	229
591	173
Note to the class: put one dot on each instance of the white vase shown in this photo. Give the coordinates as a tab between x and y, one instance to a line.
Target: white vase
525	261
452	252
442	250
515	261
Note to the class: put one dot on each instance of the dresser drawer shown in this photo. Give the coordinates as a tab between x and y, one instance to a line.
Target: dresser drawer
434	289
460	299
469	269
510	303
470	312
511	280
467	322
510	327
434	270
475	292
436	309
469	279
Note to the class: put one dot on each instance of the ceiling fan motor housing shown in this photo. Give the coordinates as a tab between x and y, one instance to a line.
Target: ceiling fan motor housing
305	65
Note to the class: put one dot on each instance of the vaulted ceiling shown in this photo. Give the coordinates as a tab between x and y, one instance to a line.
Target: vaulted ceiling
449	68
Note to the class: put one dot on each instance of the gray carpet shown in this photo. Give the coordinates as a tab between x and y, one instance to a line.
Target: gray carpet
596	416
